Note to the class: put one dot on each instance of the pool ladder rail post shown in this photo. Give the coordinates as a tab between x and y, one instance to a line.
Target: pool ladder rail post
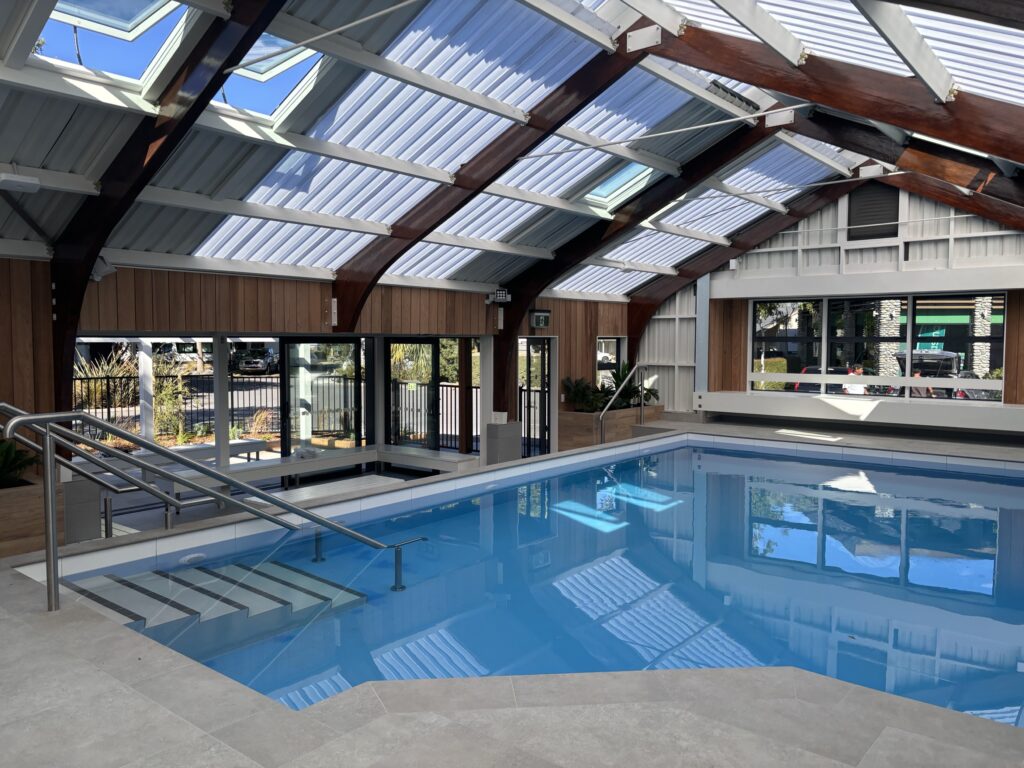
643	394
49	426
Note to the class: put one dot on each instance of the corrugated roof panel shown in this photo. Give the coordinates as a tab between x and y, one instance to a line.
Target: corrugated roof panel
778	168
552	229
983	58
163	230
836	29
593	279
255	240
559	175
833	152
51	211
399	120
314	183
708	15
58	134
210	163
715	213
648	247
490	217
492	268
373	35
431	260
635	103
499	48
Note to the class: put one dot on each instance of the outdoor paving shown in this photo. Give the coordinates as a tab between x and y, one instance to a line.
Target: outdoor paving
81	690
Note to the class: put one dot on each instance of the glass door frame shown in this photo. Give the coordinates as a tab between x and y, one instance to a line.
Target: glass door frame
365	407
433	440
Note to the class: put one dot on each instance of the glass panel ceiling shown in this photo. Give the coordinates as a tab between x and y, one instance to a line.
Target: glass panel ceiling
593	279
246	239
434	261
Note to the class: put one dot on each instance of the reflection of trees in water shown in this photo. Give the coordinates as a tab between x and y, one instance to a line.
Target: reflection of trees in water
774	505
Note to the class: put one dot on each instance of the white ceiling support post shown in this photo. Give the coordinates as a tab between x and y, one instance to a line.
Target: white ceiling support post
896	28
753	197
486	392
629	266
766	28
575	16
27	32
696	85
703	311
147	428
221	400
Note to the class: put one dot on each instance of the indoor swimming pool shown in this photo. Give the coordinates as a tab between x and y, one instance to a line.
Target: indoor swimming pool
894	577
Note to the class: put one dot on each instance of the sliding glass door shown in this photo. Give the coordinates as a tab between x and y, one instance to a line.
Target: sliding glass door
413	392
326	395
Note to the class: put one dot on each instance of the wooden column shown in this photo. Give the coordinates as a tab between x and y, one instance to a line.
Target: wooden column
1013	349
727	346
465	395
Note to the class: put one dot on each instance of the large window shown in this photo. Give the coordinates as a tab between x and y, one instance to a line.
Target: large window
859	346
958	337
865	338
787	339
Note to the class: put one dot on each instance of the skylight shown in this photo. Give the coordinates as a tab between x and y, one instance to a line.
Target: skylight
264	86
125	19
623	183
120	37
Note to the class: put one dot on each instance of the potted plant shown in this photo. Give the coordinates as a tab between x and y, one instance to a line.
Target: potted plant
21	501
581	426
14	463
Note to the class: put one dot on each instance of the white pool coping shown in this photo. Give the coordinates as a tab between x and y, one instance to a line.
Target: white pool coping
229	535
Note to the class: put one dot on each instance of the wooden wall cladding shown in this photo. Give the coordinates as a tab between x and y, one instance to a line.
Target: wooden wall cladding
26	341
577	324
727	344
1013	349
414	311
147	300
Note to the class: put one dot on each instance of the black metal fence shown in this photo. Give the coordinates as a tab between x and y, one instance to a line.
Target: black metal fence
411	414
181	403
533	412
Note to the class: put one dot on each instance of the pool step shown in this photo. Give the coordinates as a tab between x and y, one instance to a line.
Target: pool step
157	598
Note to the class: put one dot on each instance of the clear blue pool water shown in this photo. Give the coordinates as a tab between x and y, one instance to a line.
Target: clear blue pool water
899	579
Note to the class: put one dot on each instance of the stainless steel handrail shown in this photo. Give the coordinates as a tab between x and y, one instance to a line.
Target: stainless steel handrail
629	376
49	425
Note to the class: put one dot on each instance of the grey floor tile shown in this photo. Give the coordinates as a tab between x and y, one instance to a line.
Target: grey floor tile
276	737
458	746
445	695
373	741
349	710
943	725
896	748
204	697
607	688
204	752
732	684
802	724
109	728
129	656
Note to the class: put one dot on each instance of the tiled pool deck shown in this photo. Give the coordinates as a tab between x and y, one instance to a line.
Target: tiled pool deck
77	689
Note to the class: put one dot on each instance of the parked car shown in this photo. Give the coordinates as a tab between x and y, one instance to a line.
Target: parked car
256	362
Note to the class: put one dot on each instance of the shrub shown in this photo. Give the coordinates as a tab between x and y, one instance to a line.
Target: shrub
14	462
114	381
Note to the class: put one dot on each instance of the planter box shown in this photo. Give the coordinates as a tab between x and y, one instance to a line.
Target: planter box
579	430
21	518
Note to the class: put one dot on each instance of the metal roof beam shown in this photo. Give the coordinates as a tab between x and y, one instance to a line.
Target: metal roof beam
697	90
608	298
24	249
690	234
978	122
627	266
172	54
179	262
491	246
766	28
622	151
903	37
753	197
661	13
26	31
787	138
573	15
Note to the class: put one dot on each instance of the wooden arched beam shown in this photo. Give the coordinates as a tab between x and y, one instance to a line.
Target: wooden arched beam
949	164
76	249
973	121
644	302
529	284
357	277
